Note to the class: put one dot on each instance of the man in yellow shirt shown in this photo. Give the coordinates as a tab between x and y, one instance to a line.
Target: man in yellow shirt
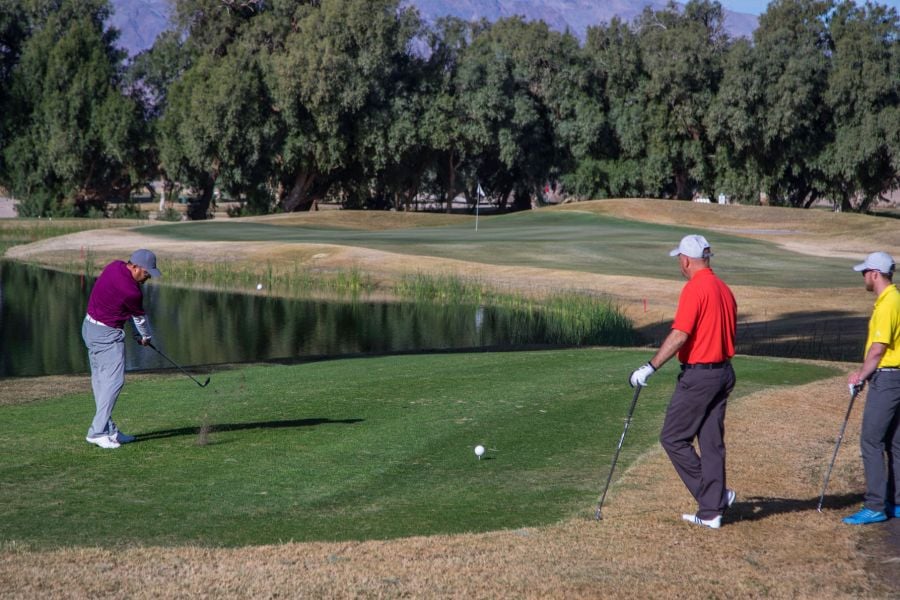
880	434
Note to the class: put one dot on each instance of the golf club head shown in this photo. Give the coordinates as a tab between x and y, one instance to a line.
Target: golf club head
205	383
598	516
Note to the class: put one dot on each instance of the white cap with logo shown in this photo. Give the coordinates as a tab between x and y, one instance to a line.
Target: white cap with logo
877	261
693	246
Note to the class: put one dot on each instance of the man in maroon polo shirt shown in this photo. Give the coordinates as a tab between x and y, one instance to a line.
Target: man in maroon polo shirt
703	337
115	298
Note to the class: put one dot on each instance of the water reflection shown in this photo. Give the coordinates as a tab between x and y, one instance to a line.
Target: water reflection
41	313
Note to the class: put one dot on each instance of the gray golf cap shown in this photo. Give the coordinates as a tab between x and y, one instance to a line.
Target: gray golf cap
877	261
693	246
145	260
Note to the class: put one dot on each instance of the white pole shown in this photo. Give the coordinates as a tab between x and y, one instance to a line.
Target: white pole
478	194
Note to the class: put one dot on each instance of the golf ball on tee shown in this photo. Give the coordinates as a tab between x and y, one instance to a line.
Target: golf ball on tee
259	286
479	450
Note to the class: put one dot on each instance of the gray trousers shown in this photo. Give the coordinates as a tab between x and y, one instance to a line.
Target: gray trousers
880	438
697	409
106	351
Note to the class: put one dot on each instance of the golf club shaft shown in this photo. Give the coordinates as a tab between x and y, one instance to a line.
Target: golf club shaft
837	445
637	392
160	352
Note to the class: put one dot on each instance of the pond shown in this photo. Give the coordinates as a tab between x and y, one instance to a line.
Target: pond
41	312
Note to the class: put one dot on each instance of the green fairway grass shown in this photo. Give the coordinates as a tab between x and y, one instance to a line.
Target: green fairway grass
569	240
367	448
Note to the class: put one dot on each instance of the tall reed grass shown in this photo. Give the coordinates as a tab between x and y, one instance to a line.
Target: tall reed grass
565	318
294	282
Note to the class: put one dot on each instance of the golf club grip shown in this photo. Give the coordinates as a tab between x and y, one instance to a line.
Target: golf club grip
138	339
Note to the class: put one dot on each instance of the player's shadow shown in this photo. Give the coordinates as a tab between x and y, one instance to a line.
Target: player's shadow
293	423
756	508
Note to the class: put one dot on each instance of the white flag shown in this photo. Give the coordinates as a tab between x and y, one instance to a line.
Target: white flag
481	193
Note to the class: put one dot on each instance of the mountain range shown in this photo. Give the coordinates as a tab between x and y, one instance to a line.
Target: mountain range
140	21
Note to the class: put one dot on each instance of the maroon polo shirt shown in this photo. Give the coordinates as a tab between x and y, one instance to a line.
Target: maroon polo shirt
116	296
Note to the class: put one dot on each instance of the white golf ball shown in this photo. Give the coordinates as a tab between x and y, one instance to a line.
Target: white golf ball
259	286
479	450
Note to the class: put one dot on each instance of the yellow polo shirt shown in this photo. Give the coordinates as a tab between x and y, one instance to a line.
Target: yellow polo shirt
884	326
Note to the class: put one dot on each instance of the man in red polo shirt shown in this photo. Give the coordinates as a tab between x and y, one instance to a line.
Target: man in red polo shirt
703	337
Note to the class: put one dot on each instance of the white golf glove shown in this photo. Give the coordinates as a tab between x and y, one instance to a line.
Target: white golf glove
856	388
640	375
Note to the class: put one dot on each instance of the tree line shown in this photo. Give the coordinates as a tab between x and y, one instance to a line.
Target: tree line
281	104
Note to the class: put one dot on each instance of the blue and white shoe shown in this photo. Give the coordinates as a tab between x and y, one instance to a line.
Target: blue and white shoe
124	438
865	516
894	511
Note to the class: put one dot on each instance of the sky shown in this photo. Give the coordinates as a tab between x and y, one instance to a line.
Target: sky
757	7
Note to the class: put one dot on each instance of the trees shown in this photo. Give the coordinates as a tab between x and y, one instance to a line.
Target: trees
521	84
681	58
863	98
660	78
281	102
217	129
611	165
72	135
333	76
791	48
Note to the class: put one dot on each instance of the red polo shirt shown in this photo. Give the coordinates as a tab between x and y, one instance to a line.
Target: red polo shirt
707	312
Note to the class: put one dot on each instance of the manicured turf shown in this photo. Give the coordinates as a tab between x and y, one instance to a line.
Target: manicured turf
345	449
567	240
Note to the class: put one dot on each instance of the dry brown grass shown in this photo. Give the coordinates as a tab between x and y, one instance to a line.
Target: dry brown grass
774	544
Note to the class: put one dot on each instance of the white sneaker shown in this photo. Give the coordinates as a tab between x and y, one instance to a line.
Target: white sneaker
124	438
104	441
713	523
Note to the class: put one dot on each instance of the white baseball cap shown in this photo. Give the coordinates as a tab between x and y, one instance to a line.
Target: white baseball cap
693	246
877	261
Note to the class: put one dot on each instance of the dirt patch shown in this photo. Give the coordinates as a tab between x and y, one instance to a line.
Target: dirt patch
773	544
21	390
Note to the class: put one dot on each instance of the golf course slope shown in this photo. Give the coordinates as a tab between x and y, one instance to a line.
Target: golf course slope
773	544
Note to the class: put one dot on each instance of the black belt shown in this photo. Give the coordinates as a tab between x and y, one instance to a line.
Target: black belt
718	365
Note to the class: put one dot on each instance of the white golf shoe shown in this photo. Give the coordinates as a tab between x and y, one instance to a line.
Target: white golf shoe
713	523
104	441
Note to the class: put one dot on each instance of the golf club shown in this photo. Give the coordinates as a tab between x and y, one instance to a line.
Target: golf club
637	392
158	351
854	392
